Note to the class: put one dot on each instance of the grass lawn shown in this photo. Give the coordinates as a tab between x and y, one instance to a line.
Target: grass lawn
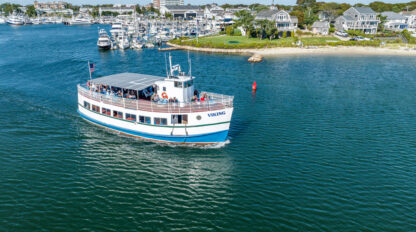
319	40
225	41
241	42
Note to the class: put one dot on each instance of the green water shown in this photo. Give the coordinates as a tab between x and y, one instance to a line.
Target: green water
328	143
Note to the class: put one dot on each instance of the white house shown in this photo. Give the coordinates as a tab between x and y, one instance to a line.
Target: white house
410	19
394	21
284	21
320	27
358	18
213	11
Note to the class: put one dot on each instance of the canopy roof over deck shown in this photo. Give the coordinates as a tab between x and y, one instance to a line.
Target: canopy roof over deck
134	81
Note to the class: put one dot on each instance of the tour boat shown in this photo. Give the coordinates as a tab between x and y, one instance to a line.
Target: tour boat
165	109
104	41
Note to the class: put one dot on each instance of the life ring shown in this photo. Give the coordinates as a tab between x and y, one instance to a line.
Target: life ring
164	95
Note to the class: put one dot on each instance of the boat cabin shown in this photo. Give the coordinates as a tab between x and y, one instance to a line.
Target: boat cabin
174	88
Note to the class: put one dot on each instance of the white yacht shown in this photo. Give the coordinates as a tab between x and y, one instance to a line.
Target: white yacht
2	20
164	109
123	41
104	41
15	19
116	30
81	20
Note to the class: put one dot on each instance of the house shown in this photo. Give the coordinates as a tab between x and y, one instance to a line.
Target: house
320	27
118	9
394	21
183	11
358	18
410	19
213	11
284	21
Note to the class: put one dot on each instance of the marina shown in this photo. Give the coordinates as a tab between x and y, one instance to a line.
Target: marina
109	125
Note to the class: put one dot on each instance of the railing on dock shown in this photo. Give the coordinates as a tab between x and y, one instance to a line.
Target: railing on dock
215	102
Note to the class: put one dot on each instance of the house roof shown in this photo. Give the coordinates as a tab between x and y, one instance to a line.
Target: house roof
364	10
393	15
346	17
267	13
321	24
133	81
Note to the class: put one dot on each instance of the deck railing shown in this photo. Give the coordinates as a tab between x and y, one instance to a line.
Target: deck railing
215	102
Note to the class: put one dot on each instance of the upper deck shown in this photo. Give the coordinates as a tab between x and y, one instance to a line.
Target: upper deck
214	102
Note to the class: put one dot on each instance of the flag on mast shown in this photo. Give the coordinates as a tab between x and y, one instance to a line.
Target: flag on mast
92	67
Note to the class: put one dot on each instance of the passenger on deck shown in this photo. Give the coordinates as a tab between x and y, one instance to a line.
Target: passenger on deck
204	97
175	100
194	98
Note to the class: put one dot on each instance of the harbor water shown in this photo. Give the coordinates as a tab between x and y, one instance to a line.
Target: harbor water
327	143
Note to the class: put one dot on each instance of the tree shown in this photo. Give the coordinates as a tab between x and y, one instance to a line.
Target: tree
271	29
245	20
31	12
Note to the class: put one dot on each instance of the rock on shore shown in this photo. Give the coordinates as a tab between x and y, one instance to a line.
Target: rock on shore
255	58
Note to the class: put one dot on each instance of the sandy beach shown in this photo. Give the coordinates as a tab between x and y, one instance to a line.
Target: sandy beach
285	51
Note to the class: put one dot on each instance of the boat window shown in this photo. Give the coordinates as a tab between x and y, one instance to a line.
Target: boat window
96	108
179	119
144	119
178	84
164	88
86	105
130	117
161	121
106	111
117	114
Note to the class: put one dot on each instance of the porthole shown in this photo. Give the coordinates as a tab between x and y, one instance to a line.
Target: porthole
198	117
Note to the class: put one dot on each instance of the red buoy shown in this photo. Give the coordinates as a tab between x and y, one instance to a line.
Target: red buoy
254	86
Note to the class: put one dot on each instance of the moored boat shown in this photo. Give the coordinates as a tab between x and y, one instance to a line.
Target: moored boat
104	41
166	109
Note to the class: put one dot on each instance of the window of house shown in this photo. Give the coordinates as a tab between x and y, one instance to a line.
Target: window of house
106	111
96	108
86	105
179	119
130	117
160	121
144	119
117	114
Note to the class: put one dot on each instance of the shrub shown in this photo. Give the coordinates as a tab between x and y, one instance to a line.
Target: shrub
229	30
284	34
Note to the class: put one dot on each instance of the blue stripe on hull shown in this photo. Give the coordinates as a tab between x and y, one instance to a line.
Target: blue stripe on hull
215	137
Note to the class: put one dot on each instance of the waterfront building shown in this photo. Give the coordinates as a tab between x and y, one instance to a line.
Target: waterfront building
52	8
119	10
50	5
358	18
320	27
163	3
156	4
394	21
284	21
184	11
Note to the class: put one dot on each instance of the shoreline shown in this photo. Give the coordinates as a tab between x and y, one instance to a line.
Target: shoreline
327	50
